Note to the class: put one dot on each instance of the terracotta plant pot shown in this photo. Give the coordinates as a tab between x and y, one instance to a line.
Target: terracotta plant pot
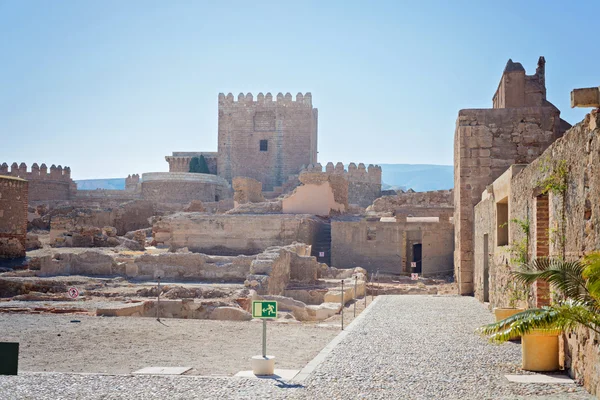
503	313
540	350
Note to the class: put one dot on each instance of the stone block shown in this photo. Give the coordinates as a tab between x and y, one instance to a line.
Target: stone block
586	97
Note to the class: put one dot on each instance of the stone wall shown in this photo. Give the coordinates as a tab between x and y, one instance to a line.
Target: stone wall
233	234
321	193
560	225
385	244
486	143
247	190
13	216
436	198
267	140
516	89
182	187
364	184
126	217
43	185
180	161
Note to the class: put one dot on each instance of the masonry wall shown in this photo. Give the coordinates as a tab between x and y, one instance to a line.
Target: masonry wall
486	143
234	234
13	217
418	201
43	185
180	187
573	226
288	126
372	245
180	161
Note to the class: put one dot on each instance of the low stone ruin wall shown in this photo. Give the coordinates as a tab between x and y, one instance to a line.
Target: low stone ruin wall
436	198
192	266
126	217
233	234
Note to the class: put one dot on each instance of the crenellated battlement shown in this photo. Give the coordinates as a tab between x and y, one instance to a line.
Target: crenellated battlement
354	173
37	172
287	100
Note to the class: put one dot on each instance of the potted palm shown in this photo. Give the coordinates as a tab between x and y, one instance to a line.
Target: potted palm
578	285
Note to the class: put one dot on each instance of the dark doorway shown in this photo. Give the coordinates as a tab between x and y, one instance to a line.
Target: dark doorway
417	256
486	268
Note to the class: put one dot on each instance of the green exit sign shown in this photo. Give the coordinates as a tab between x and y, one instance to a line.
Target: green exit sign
264	309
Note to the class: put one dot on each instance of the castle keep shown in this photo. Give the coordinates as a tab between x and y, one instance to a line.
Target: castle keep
266	139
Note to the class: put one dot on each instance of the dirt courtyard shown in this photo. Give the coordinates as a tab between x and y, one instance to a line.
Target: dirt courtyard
122	345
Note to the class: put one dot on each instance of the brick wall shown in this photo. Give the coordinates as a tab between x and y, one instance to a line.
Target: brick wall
181	187
289	128
13	216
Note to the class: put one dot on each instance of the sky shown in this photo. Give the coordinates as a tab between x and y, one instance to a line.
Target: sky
110	88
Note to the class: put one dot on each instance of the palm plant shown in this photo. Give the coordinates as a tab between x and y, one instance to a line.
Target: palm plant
578	283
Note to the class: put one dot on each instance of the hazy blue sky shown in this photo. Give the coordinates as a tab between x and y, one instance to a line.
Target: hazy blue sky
111	87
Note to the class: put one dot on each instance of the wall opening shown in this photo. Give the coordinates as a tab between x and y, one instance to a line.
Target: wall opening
264	145
502	222
486	268
418	257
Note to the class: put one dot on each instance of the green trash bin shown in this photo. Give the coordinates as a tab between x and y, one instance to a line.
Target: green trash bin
9	358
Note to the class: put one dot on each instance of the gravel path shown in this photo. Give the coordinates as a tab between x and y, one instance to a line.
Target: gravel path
406	347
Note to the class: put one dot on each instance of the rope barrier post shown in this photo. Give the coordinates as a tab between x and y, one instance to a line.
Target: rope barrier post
355	299
342	301
158	300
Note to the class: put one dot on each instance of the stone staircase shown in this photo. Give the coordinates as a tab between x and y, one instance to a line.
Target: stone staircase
323	245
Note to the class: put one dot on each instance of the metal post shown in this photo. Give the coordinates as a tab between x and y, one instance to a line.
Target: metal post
264	346
158	300
342	301
355	299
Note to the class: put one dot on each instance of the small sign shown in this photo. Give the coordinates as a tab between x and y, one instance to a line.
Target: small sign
73	293
414	277
264	309
321	254
413	265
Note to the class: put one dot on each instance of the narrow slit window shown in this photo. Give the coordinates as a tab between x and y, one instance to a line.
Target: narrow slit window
264	145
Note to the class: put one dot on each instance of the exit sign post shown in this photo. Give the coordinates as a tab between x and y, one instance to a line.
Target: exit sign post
264	309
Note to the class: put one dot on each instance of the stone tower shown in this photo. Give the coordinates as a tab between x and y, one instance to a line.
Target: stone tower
266	139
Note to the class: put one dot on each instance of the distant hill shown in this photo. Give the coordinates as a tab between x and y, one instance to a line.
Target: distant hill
419	177
93	184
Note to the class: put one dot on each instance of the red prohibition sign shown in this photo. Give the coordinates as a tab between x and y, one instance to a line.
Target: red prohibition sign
73	293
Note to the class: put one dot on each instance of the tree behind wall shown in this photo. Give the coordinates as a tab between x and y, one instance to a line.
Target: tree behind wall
198	165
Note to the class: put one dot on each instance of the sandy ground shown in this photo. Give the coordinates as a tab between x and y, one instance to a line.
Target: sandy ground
122	345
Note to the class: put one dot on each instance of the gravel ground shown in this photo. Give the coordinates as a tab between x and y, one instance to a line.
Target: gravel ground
121	345
406	347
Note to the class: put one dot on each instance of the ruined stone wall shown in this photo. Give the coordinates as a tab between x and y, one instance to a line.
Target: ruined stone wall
234	234
436	199
287	129
247	190
13	217
43	185
321	193
126	217
438	249
181	187
486	143
364	184
180	161
516	89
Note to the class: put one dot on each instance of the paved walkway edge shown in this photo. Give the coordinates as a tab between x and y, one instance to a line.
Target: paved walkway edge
315	362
